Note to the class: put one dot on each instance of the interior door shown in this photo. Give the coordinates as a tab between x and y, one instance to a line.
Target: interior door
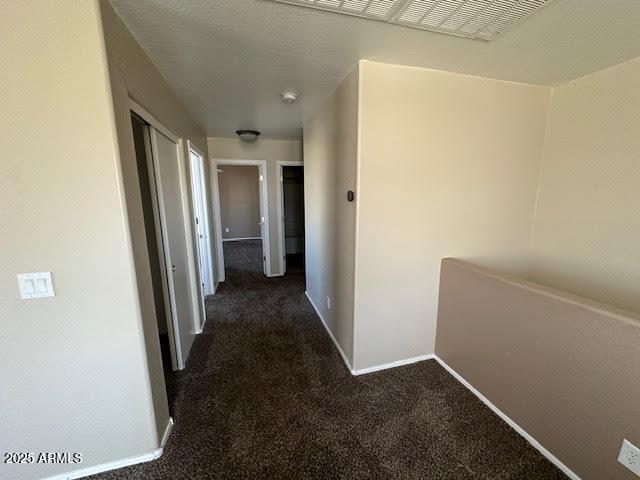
200	214
168	173
262	222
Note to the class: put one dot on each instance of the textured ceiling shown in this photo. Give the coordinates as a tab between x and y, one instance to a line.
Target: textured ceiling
228	60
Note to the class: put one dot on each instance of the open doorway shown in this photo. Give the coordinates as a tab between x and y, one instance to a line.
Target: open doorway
241	212
291	216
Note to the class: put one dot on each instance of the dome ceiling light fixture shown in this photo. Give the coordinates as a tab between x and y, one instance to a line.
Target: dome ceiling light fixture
248	136
289	97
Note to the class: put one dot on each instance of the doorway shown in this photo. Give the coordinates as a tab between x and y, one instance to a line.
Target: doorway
241	205
142	144
291	216
163	190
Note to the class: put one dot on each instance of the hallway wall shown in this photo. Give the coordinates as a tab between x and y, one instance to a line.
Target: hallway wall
331	156
262	149
74	373
449	167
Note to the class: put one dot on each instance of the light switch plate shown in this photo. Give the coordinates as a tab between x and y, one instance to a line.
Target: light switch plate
36	285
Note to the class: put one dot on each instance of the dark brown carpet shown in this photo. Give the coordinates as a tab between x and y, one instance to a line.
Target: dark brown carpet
265	395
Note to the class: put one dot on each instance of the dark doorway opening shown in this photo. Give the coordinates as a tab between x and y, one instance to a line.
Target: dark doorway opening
293	204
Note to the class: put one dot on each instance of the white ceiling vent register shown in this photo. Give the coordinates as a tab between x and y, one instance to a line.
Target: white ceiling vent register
479	19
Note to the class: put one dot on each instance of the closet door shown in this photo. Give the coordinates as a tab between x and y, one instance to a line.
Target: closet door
168	176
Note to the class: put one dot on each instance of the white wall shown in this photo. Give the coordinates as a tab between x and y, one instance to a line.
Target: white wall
330	150
539	182
449	167
263	149
74	373
586	237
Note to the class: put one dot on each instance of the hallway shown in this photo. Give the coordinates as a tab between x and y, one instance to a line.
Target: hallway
265	395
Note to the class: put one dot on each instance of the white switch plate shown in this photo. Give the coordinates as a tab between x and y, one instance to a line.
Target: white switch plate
630	456
35	285
226	230
328	303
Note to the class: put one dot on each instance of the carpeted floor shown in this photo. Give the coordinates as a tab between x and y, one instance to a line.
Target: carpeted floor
265	395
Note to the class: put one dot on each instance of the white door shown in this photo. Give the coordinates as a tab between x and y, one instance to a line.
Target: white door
168	181
262	221
201	221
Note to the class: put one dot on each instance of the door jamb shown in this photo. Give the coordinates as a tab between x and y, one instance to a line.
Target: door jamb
264	209
151	120
280	206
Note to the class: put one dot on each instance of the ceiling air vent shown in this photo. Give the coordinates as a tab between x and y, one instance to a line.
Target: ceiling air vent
479	19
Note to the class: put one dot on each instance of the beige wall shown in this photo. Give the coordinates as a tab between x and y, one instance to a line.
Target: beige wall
133	75
239	201
449	166
586	237
74	374
263	149
565	369
330	149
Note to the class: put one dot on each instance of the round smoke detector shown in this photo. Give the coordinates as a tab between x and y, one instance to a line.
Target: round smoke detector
289	97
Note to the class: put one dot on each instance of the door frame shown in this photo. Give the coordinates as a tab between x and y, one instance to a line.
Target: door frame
199	195
172	328
178	362
264	209
280	206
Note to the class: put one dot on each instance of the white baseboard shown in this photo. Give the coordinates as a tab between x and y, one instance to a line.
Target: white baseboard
201	329
271	275
167	432
363	371
125	462
397	363
241	238
105	467
534	443
344	357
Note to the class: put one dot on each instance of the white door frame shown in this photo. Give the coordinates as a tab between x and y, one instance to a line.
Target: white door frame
280	205
199	200
264	209
168	291
172	328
